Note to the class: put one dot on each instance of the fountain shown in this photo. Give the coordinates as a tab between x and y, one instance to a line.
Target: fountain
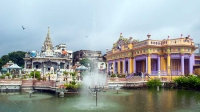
96	89
117	88
31	91
61	91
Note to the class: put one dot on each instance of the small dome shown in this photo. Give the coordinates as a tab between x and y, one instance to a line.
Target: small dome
33	53
4	70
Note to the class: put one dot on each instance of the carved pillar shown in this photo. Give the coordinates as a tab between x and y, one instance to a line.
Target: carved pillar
182	64
168	64
149	63
124	64
134	65
146	64
158	62
191	64
113	66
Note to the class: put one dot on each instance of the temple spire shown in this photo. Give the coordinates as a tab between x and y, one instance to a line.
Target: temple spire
48	46
48	32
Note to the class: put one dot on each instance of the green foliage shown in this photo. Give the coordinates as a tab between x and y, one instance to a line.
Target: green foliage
190	82
113	75
1	63
73	74
73	82
86	61
71	86
16	57
2	76
37	74
153	83
121	75
8	74
65	73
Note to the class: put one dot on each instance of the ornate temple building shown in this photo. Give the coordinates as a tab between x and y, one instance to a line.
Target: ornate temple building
174	57
50	59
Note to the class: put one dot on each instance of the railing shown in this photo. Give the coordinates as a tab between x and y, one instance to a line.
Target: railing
156	73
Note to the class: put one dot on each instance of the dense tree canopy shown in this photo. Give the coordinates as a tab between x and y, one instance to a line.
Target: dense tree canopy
86	61
16	57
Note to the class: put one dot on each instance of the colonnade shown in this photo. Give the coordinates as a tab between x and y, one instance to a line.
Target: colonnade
153	63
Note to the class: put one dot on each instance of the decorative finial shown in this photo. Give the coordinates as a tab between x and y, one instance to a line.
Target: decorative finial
48	31
181	35
148	36
188	36
168	37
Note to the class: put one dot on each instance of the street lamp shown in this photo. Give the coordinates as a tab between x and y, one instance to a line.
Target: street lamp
34	72
96	89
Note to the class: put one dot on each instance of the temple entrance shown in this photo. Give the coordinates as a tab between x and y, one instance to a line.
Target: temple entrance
126	67
154	66
176	67
121	67
138	66
186	66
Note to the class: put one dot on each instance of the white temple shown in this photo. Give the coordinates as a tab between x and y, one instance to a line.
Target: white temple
50	60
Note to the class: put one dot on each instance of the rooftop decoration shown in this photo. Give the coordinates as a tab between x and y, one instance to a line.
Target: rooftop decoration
124	41
148	36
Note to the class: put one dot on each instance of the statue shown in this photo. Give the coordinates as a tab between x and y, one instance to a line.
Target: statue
52	70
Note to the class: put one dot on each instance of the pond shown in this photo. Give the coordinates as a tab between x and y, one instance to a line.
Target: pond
166	100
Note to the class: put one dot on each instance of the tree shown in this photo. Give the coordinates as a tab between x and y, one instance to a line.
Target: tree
86	61
1	63
17	57
37	74
5	59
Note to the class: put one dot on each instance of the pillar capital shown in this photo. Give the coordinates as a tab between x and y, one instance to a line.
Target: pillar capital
148	55
182	54
168	54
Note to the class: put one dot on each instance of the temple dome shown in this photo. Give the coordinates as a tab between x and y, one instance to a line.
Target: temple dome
33	53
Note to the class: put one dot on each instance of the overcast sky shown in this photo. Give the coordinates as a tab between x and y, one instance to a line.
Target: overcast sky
93	24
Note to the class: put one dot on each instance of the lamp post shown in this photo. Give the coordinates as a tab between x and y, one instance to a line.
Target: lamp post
96	89
34	72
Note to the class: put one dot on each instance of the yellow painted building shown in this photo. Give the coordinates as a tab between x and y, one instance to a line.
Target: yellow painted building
166	57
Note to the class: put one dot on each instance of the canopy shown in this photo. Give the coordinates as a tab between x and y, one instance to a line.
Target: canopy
4	70
14	66
82	67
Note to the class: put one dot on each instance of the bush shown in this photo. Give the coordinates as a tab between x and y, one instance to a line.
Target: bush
71	86
113	75
121	75
37	74
2	76
153	83
190	82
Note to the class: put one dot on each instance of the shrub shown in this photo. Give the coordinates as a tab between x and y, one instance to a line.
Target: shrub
153	83
113	75
2	76
121	75
190	82
37	74
71	86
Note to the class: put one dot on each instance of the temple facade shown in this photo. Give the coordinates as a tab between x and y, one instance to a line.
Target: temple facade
165	57
50	60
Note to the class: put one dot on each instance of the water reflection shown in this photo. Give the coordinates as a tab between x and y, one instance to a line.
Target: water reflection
126	101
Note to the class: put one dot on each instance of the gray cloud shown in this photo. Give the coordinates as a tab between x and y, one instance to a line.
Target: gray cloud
101	21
